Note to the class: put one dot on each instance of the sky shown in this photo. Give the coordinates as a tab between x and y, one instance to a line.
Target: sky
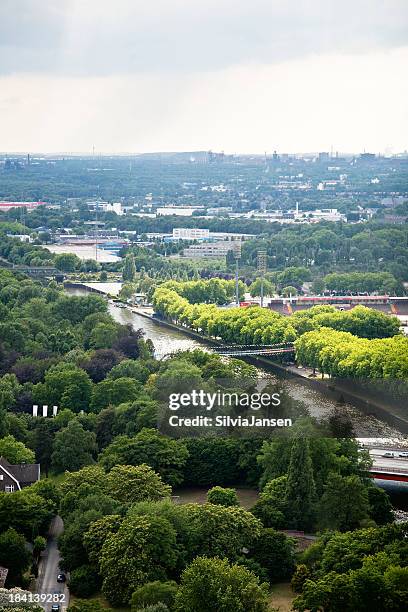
243	76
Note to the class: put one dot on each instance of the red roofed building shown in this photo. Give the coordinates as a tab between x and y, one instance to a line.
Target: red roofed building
5	206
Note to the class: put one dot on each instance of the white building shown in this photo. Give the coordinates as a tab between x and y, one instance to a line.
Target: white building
190	233
180	211
208	249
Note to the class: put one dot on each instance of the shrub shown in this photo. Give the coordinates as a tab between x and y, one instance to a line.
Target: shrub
153	593
222	497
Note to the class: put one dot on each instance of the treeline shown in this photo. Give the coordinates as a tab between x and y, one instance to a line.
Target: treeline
355	282
257	325
342	354
359	570
338	247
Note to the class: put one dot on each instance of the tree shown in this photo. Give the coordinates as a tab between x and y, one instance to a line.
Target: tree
271	507
276	553
289	291
96	535
344	504
219	531
300	489
9	389
114	392
154	592
84	581
380	506
130	484
14	451
166	456
26	512
255	288
73	448
142	550
129	269
41	440
67	262
67	386
301	574
100	362
39	545
212	584
14	555
222	497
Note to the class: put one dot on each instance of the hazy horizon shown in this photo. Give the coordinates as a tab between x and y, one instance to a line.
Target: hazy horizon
186	76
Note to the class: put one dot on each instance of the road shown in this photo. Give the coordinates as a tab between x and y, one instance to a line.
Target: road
379	461
49	567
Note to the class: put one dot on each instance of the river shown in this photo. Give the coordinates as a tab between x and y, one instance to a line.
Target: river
167	341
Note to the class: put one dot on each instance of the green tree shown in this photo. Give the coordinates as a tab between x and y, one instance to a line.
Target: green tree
276	553
380	506
129	269
131	484
73	448
153	593
289	291
67	262
166	456
84	581
255	288
14	451
300	489
14	555
222	497
219	531
344	503
142	550
212	584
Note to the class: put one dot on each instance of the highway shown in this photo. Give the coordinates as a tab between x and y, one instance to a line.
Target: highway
396	462
49	568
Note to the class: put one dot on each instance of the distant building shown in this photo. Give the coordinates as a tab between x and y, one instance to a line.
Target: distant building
5	206
190	233
115	207
21	237
16	477
208	249
180	211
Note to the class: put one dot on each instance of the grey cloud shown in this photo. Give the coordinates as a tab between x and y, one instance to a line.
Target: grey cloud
105	37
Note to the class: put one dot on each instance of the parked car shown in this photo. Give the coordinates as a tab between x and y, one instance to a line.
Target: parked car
403	454
389	454
61	578
55	607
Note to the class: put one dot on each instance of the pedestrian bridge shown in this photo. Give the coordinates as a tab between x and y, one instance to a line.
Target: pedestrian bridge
238	350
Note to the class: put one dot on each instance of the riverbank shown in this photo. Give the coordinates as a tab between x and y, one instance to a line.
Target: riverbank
330	388
332	391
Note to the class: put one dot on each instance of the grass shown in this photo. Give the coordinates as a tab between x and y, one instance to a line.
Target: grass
282	597
197	495
99	598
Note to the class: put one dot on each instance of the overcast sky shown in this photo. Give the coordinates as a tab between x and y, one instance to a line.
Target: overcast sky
177	75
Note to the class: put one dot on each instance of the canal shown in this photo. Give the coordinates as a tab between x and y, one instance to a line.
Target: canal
167	341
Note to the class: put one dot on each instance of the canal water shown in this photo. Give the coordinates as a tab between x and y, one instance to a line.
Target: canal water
167	341
368	429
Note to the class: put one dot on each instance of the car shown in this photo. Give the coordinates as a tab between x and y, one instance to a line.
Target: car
61	578
55	607
403	454
389	454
